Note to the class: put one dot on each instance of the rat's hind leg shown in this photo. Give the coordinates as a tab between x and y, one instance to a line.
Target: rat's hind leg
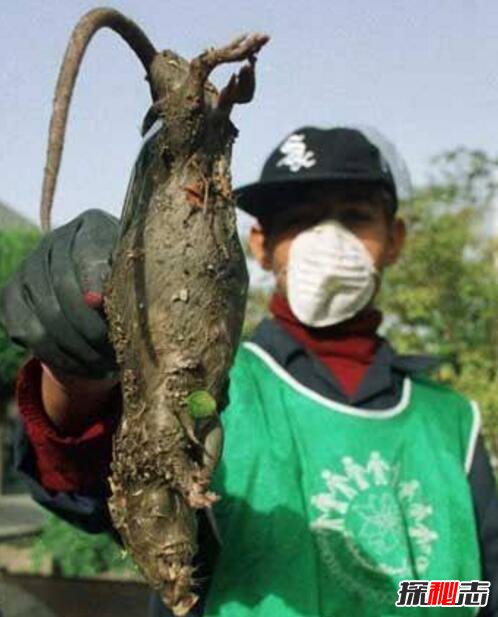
240	88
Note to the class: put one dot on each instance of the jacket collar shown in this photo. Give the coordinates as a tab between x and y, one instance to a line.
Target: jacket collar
383	375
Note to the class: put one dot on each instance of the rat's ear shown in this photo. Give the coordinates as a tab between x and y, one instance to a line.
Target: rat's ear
397	236
258	246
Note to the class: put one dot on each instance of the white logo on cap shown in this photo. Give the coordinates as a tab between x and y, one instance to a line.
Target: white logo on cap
295	154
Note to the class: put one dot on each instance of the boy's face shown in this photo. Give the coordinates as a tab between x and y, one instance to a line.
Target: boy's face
381	234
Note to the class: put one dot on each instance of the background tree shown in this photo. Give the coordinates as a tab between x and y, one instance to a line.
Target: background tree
442	296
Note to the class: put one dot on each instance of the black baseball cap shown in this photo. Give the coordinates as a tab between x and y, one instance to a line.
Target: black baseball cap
314	155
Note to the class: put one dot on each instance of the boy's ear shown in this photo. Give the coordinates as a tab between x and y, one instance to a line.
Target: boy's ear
258	246
397	236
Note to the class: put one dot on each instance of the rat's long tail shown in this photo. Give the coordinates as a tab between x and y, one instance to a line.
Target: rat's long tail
88	25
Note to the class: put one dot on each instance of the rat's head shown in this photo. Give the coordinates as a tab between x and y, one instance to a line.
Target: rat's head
327	226
160	531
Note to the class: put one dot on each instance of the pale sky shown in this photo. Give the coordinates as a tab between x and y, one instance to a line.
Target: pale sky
424	73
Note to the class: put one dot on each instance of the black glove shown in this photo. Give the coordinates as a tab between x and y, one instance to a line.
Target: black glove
53	303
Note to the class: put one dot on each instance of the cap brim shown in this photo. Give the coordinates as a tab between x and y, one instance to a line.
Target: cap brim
257	198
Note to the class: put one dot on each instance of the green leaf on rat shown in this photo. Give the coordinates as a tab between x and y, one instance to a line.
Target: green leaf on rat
201	404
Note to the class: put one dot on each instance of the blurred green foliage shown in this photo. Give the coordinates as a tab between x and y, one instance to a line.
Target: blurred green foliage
77	553
441	297
257	309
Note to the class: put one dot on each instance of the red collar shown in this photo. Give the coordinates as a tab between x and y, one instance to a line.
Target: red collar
347	348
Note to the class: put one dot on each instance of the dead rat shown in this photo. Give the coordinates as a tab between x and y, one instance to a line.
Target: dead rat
176	296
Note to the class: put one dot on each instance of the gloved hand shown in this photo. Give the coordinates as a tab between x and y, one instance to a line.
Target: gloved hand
53	305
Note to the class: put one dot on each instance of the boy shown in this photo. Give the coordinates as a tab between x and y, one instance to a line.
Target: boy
342	471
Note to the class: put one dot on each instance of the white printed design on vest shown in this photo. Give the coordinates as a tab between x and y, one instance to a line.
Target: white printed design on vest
295	154
370	508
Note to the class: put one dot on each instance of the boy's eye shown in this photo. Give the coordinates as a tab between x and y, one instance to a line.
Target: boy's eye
300	222
359	217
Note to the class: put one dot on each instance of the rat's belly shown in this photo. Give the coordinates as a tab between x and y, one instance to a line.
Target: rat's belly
175	303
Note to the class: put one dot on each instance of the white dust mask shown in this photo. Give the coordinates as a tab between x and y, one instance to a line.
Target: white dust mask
330	275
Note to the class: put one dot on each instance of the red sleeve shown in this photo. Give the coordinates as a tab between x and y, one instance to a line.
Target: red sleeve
64	463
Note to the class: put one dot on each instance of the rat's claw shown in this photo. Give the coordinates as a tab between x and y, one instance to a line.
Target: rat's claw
240	88
198	499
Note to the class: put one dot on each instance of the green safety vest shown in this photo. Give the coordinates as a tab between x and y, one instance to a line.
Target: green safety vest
325	507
